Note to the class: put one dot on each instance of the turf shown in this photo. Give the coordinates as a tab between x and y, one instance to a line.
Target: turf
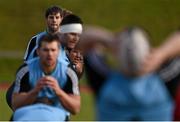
4	109
22	19
8	69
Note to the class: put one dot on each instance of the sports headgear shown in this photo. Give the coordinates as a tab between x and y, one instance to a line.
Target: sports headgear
71	23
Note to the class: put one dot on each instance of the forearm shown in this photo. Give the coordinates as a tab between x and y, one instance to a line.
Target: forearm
170	48
71	102
22	99
167	51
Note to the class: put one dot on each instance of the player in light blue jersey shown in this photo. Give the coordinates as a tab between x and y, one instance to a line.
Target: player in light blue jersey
54	15
127	94
45	89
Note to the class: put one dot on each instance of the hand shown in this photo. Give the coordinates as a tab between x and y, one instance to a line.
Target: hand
52	83
77	59
40	84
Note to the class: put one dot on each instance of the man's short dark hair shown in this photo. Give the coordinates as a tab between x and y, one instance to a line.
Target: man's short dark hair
53	10
71	19
48	38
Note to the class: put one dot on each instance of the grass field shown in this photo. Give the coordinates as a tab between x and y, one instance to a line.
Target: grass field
4	109
21	19
8	67
87	108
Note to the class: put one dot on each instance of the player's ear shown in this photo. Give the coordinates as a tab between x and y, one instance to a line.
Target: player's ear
37	51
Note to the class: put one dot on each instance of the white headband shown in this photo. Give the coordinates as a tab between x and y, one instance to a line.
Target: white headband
69	28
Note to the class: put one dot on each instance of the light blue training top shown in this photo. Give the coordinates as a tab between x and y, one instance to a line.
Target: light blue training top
30	55
141	98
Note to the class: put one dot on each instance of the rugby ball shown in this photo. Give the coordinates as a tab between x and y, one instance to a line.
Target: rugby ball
132	49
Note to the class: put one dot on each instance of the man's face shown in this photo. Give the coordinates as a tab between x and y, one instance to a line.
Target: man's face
71	40
48	53
53	22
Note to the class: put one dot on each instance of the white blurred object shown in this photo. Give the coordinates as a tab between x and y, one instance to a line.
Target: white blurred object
132	49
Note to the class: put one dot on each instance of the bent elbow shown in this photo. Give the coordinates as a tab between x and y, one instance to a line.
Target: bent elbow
76	109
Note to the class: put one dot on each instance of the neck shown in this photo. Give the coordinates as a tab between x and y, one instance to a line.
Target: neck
48	69
50	31
68	49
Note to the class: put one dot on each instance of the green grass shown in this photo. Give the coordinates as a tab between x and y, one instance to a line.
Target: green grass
8	69
19	21
87	108
22	19
4	109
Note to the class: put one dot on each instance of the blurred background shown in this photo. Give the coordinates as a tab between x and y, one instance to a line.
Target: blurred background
21	19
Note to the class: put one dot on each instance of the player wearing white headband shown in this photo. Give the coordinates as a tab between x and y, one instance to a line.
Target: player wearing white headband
71	30
74	27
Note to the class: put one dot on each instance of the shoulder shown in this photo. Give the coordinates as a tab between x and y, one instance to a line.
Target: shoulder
22	71
41	33
25	67
33	64
22	67
72	75
32	42
31	61
38	35
61	64
73	81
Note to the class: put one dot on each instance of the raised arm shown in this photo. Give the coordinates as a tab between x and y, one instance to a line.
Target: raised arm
93	36
168	50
